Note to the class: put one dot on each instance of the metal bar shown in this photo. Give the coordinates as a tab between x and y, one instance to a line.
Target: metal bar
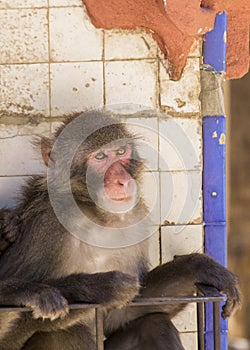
99	329
11	308
136	302
158	301
212	295
216	318
200	320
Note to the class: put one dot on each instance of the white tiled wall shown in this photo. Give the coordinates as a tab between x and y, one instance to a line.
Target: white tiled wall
182	96
75	86
131	81
24	88
126	45
70	24
53	61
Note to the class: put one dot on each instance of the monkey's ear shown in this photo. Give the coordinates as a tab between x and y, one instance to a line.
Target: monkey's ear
46	147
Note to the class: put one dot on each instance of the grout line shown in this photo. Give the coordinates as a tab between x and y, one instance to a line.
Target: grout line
7	176
159	81
49	64
77	61
103	69
38	7
175	224
160	245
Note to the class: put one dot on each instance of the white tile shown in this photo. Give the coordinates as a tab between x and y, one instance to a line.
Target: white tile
65	3
33	127
76	86
180	144
187	319
126	109
150	193
154	249
15	4
146	129
23	36
73	37
180	240
19	157
131	82
8	131
181	197
126	44
189	341
10	190
24	89
182	95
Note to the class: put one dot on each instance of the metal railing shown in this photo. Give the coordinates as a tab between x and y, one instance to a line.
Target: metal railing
204	294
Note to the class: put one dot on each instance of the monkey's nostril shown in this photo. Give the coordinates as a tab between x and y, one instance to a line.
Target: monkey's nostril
123	182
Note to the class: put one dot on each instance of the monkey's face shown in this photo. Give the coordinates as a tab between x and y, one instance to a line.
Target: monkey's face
115	189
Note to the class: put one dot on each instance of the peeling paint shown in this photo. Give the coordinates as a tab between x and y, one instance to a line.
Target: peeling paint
180	103
238	34
225	37
222	139
214	135
197	220
175	32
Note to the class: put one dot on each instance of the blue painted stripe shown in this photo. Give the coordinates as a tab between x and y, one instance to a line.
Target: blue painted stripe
214	46
209	341
214	208
214	170
216	242
215	246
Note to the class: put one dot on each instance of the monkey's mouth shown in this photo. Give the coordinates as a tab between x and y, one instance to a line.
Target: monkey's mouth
122	199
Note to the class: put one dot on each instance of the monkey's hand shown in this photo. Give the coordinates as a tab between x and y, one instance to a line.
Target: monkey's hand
178	278
47	303
210	272
111	289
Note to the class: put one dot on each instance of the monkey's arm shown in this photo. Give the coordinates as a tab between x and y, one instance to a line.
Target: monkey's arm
113	288
178	278
50	299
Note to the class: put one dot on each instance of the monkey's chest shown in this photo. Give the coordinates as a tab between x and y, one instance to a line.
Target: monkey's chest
84	258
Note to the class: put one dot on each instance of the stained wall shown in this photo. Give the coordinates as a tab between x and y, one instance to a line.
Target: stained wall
54	62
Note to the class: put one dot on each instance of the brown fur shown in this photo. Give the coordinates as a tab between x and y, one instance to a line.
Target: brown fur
46	267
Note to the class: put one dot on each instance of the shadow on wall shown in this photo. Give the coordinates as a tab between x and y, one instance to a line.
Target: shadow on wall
239	206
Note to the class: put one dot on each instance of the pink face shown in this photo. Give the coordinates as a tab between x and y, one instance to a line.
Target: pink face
119	190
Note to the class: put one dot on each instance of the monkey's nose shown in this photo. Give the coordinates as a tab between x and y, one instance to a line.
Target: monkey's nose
123	181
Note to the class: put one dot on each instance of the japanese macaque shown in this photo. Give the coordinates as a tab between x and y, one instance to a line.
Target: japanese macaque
80	234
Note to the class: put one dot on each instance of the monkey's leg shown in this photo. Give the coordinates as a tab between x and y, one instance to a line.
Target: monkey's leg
178	278
150	332
77	337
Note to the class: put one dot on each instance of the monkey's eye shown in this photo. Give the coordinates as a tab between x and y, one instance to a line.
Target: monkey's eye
121	151
100	156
